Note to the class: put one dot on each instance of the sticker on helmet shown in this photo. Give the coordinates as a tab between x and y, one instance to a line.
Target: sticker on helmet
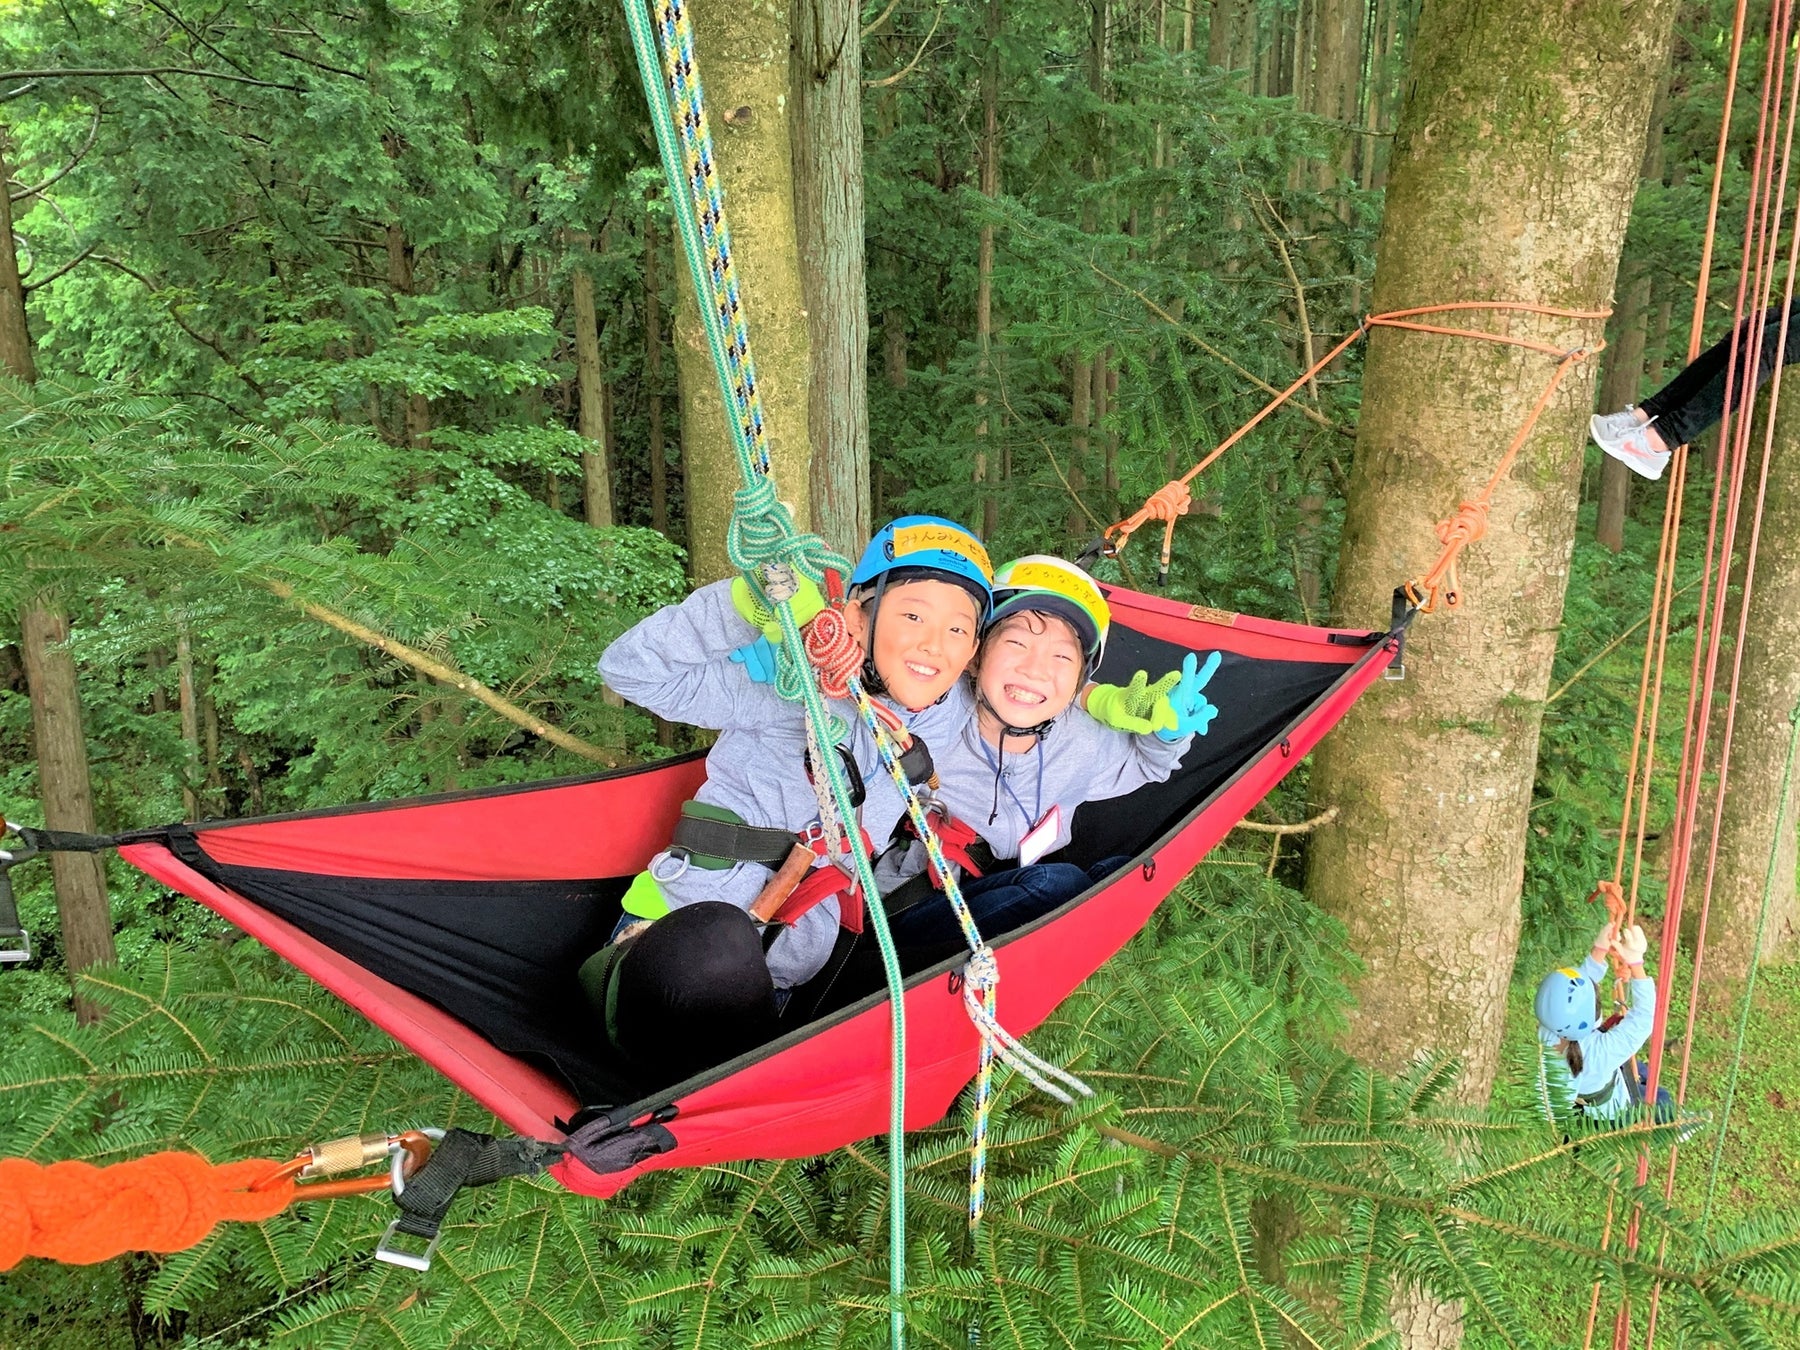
919	538
1039	577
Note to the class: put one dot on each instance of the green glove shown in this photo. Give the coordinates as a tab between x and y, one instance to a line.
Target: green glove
1139	707
806	604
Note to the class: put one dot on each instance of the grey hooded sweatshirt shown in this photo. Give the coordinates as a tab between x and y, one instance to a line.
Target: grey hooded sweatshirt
677	664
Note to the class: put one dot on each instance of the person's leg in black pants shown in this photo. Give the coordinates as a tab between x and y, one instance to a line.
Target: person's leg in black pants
1697	397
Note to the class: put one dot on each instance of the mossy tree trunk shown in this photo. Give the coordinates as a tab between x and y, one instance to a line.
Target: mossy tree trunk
1769	687
593	412
65	785
743	57
827	137
1516	152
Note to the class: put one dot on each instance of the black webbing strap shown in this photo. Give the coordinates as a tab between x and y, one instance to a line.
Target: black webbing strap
722	839
465	1158
63	841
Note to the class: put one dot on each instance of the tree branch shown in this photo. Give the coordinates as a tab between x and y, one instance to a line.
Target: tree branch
911	65
93	134
444	674
870	28
1324	817
67	267
146	71
1312	414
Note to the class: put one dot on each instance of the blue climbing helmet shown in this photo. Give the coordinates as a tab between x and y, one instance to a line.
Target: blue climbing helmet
927	548
1567	1006
920	548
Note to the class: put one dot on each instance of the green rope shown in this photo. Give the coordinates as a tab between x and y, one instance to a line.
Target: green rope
1743	1026
762	535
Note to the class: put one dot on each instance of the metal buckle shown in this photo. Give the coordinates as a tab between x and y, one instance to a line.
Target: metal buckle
680	857
387	1250
15	946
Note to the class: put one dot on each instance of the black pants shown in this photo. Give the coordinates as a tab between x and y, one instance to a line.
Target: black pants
1697	397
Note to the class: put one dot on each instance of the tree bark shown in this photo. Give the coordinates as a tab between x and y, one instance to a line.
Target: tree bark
1517	149
593	416
989	178
1624	368
1768	690
83	913
1081	417
743	58
653	353
1337	82
827	136
400	277
191	771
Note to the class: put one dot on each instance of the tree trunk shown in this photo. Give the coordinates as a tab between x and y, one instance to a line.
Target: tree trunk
400	277
653	353
989	174
1624	368
1518	146
827	135
593	416
191	771
82	911
1081	416
743	59
1337	82
1768	690
15	332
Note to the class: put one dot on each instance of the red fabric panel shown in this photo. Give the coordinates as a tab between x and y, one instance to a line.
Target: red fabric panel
600	827
831	1088
1194	627
527	1100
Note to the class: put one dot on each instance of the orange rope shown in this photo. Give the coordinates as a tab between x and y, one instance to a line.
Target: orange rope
77	1213
1470	522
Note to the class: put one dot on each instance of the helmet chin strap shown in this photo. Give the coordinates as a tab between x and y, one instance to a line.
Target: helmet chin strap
1007	728
871	677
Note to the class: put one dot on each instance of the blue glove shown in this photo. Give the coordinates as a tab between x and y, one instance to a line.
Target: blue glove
1194	712
758	660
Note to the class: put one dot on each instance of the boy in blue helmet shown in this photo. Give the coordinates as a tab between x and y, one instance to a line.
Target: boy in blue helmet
1601	1062
917	600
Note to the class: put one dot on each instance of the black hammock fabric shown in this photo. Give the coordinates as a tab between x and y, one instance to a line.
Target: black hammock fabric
457	922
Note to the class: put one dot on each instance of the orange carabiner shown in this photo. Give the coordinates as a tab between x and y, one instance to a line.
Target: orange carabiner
410	1150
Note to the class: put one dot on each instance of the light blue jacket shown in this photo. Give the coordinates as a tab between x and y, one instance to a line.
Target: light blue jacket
1605	1054
677	664
1076	761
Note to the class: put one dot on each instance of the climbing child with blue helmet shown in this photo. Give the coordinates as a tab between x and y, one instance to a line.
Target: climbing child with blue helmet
686	983
1602	1062
1042	741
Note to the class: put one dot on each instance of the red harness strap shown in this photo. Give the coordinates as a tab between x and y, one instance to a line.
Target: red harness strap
824	882
956	838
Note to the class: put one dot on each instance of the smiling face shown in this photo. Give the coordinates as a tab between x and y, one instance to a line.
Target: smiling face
1031	666
925	636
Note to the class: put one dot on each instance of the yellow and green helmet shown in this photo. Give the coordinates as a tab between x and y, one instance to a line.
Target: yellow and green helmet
1041	584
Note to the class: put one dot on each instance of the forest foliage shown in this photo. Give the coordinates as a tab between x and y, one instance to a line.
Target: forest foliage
305	330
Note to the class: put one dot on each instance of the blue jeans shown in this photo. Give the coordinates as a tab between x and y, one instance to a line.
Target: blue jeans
999	902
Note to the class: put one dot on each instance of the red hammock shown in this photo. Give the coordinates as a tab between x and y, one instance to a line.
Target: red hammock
456	922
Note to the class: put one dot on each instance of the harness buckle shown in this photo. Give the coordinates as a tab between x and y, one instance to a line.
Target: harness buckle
390	1250
682	860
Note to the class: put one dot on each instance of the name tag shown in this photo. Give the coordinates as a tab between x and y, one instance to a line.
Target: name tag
1040	837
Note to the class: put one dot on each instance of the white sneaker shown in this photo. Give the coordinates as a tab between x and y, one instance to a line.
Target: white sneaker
1627	440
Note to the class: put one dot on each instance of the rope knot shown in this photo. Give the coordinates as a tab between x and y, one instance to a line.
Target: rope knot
833	652
1168	501
1468	524
982	971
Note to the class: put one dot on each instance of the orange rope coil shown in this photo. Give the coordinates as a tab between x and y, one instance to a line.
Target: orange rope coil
77	1213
